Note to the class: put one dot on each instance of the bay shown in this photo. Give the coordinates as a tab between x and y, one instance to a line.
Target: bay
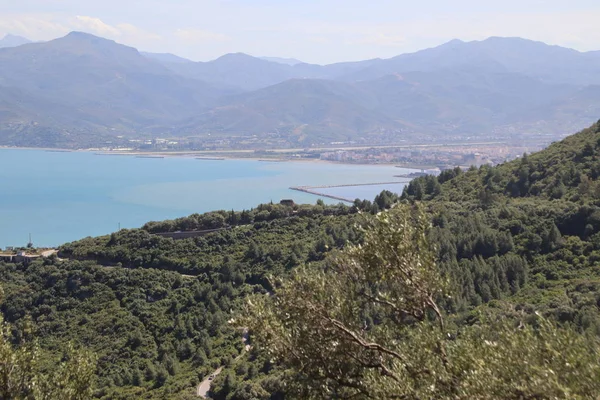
64	196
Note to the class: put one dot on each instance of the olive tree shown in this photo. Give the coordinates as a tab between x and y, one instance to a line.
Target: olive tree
367	324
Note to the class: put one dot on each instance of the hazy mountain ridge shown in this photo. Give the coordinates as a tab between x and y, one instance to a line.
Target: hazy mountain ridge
298	110
237	70
82	85
13	41
553	64
110	87
167	58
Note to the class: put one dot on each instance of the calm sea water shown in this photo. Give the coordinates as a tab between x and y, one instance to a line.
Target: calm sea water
60	197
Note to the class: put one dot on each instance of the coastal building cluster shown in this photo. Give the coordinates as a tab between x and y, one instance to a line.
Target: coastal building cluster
512	136
438	156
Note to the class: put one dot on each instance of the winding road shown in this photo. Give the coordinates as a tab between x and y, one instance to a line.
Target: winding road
204	386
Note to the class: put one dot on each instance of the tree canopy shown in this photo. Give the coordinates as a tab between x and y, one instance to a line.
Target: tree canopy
368	325
24	377
506	257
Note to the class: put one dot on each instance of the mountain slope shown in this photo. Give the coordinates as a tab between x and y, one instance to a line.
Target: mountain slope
394	106
542	209
237	71
166	58
466	101
107	85
245	72
551	64
34	120
299	110
458	88
13	41
81	87
452	55
568	170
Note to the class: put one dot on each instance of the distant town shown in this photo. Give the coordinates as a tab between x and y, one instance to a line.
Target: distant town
428	152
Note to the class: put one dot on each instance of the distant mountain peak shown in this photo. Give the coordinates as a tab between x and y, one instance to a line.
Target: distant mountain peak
510	39
237	57
500	40
77	35
88	38
453	42
11	40
11	36
86	42
448	45
236	54
285	61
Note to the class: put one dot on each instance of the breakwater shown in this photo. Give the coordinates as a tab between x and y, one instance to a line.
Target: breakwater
314	190
149	190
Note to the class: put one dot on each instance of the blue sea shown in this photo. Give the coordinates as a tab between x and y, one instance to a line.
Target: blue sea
64	196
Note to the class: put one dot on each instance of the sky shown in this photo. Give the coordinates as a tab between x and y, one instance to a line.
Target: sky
316	31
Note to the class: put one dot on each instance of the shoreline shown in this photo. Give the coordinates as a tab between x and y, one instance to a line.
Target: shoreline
207	156
273	181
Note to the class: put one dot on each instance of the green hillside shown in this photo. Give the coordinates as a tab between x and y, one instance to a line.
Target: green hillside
154	310
513	240
543	208
566	170
498	299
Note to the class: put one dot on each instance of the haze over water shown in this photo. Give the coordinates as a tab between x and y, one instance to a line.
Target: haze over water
60	197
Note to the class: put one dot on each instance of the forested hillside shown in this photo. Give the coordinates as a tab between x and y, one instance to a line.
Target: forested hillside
496	262
154	310
514	242
511	241
542	212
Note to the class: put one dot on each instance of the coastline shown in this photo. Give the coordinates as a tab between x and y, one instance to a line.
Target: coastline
91	195
210	155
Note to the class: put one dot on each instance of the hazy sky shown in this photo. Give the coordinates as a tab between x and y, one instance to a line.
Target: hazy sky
319	31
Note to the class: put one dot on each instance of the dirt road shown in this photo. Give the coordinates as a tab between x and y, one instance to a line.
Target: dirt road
204	386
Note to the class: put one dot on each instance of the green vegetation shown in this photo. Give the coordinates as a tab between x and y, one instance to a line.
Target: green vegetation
369	326
24	377
517	245
155	310
529	229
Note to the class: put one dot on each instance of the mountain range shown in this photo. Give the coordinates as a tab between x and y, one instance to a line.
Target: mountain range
81	90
